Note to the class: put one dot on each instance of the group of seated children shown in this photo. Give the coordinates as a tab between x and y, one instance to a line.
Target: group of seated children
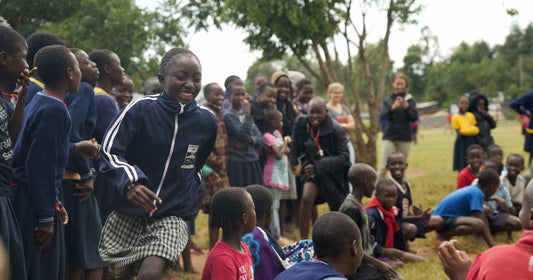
483	202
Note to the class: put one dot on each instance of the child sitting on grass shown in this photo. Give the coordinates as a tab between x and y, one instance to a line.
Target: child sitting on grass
363	179
414	222
513	181
462	210
232	210
501	213
474	159
269	259
384	225
338	247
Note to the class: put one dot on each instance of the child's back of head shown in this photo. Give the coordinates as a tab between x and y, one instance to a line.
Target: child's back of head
489	181
363	178
231	210
37	41
263	202
337	238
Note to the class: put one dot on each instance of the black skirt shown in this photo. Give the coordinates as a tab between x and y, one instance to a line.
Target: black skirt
50	262
105	193
10	234
528	145
459	151
242	174
333	188
82	233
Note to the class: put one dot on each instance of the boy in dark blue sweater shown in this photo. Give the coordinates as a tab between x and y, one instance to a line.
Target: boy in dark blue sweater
82	234
110	75
338	247
152	152
37	41
40	157
13	71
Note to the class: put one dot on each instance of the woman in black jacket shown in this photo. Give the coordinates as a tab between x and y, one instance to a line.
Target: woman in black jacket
397	113
479	106
319	144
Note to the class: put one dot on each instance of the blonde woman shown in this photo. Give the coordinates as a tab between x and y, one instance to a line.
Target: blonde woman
341	113
397	113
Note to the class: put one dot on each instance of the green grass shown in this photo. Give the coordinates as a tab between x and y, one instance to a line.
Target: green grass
431	177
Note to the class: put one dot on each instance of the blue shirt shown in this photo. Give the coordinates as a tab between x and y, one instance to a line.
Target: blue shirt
461	202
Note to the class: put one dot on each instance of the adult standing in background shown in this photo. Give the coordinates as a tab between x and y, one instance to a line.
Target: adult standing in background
397	113
479	106
524	106
341	113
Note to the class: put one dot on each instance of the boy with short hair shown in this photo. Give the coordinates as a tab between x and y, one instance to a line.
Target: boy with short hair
414	222
338	247
363	179
501	212
513	181
462	210
37	41
384	225
474	159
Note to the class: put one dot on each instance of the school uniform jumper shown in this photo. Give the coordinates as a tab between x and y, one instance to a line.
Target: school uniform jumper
35	86
244	143
40	157
466	124
82	233
106	109
9	226
330	158
161	144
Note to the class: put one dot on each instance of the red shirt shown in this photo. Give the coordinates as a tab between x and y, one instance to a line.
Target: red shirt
225	263
465	178
505	261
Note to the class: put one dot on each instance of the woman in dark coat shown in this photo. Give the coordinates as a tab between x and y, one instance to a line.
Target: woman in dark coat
319	144
479	106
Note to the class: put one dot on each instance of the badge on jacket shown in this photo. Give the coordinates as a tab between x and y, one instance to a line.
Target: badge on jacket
190	157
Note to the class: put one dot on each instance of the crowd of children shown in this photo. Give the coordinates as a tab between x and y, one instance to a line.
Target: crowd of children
98	184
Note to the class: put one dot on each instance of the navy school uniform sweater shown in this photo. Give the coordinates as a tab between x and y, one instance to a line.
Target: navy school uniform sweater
35	87
162	144
106	109
378	229
83	118
242	132
310	271
41	154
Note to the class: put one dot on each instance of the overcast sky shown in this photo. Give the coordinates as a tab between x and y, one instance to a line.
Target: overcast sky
223	53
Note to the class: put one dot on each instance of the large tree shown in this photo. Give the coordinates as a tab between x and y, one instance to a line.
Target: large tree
316	32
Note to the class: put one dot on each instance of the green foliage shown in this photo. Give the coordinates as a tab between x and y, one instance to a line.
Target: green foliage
138	36
27	15
506	68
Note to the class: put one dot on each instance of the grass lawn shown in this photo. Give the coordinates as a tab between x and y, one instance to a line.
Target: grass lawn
431	177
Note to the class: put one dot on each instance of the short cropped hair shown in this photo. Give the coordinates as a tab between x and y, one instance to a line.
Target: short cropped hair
332	232
317	99
227	207
52	62
381	185
37	41
10	40
302	83
264	86
262	198
496	163
208	89
473	147
488	178
101	58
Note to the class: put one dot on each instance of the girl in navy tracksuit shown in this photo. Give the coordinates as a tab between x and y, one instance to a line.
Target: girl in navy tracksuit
153	151
40	157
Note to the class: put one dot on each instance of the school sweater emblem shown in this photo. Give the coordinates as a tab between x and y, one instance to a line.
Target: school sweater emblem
190	157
